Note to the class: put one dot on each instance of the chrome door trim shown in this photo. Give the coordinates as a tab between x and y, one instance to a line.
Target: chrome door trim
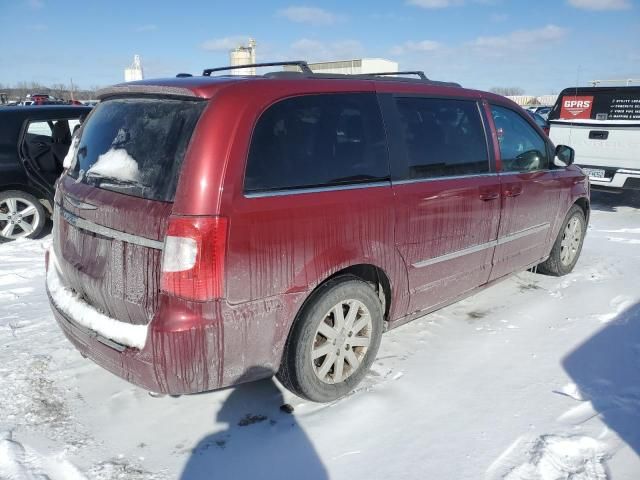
89	226
482	246
78	203
456	254
331	188
450	177
523	233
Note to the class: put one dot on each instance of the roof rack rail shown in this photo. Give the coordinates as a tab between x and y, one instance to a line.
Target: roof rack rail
304	67
419	73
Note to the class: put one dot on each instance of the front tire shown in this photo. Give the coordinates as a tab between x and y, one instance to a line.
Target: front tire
21	215
334	340
567	247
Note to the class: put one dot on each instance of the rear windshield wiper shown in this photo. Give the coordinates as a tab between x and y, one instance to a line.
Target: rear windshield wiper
100	179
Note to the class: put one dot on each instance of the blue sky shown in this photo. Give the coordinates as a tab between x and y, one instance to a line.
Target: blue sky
541	46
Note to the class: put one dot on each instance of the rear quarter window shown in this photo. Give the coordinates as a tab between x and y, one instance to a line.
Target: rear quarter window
318	141
136	146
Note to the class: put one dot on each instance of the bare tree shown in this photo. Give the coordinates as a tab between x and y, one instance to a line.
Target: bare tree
20	90
507	91
60	90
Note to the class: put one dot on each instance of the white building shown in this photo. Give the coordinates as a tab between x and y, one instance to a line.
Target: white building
353	67
243	56
134	72
526	100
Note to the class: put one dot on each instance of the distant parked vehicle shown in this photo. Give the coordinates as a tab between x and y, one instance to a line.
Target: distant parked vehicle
33	144
602	124
543	111
541	122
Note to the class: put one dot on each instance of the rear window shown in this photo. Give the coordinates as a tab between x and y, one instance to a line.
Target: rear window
598	103
135	146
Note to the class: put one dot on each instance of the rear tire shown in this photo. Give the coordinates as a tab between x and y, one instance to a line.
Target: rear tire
21	215
567	247
334	340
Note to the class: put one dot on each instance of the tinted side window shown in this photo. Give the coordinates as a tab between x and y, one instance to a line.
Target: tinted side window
443	137
521	148
318	140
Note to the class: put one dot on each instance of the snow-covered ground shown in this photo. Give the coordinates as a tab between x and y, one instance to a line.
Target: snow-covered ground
537	378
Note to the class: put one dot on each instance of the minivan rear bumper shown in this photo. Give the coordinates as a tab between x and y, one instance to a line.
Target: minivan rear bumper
192	347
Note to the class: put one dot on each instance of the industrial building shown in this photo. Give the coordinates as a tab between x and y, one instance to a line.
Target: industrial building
352	67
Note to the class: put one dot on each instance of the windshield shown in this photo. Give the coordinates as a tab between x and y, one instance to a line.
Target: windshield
135	146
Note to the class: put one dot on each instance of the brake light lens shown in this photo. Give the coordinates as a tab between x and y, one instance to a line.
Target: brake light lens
193	257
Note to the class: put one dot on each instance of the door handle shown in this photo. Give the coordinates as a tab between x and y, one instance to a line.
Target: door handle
598	135
513	191
486	196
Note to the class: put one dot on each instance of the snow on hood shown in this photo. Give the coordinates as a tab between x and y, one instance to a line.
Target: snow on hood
116	163
85	315
71	154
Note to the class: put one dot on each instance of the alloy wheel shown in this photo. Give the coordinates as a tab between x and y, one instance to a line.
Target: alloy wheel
571	240
341	341
18	217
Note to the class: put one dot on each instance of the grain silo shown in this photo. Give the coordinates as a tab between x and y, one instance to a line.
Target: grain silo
243	56
134	72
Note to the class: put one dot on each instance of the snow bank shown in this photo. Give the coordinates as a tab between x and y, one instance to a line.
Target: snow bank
116	163
556	457
84	314
20	463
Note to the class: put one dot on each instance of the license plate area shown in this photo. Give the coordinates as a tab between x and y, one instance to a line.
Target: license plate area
595	173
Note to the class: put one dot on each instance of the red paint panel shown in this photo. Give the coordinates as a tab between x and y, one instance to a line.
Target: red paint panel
291	243
530	200
441	217
119	278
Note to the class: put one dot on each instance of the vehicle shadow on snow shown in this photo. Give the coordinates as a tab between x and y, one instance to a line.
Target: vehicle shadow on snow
606	369
260	442
609	202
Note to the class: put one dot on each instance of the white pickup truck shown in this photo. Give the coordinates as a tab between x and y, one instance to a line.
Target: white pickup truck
602	124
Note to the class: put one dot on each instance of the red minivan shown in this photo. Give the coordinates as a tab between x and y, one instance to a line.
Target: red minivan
212	224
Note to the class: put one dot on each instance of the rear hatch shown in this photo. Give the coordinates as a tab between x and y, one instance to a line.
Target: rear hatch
113	204
602	124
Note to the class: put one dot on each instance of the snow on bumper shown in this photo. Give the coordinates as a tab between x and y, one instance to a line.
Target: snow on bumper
80	312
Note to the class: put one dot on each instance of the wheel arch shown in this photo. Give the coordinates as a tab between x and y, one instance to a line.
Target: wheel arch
583	203
367	272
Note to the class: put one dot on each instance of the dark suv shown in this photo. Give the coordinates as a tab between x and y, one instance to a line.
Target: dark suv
208	225
33	144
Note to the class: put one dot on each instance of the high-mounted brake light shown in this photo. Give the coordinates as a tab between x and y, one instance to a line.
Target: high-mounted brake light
193	257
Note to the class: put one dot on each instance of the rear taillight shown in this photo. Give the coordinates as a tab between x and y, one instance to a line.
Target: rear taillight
193	257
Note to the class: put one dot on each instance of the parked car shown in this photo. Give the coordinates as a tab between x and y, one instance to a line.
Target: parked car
543	111
33	144
541	122
603	125
208	225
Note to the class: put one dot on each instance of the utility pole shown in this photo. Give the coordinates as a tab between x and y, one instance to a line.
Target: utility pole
72	89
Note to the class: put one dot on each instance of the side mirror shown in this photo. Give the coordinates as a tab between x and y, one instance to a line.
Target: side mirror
564	156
